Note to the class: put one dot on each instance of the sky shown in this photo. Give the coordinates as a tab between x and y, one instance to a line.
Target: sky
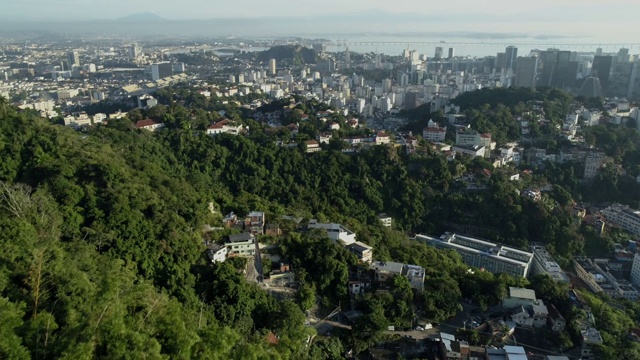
597	20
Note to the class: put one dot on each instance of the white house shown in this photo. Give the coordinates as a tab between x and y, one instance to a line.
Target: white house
335	232
224	126
382	138
324	138
312	146
242	244
217	253
99	118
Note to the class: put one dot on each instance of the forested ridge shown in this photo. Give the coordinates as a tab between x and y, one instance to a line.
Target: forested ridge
103	253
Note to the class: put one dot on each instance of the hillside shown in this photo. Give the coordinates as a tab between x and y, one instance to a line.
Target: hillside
103	254
289	54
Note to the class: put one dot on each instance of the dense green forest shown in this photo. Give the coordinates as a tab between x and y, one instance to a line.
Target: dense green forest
288	54
103	253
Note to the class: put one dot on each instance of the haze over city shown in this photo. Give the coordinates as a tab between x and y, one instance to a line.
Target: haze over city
569	20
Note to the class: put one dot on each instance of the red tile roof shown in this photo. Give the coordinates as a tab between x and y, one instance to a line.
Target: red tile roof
220	124
146	122
272	339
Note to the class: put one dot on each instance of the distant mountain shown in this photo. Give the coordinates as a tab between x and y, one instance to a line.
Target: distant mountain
142	17
289	54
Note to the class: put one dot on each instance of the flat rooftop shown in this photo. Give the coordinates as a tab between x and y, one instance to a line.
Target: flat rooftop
388	266
478	246
522	293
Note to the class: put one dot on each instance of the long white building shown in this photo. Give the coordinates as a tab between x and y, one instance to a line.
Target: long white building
624	217
492	257
543	263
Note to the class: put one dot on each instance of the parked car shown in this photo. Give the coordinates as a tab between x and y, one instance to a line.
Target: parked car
419	328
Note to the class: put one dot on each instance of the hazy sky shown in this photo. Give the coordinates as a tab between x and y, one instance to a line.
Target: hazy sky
66	9
614	20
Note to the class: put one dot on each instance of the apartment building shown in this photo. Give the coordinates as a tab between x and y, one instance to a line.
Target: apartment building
363	251
599	277
635	270
482	254
623	216
471	138
435	134
544	264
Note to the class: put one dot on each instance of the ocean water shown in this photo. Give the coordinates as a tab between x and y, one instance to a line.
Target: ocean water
395	44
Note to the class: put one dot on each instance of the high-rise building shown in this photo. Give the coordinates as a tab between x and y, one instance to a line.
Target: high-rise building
623	55
634	84
451	53
161	70
635	270
410	100
599	52
272	67
564	75
134	51
526	72
601	69
73	59
620	79
549	64
439	52
556	68
572	74
378	61
403	80
500	57
510	57
347	57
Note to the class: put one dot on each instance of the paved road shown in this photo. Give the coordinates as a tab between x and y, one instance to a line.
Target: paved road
258	263
327	326
251	272
416	334
254	267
